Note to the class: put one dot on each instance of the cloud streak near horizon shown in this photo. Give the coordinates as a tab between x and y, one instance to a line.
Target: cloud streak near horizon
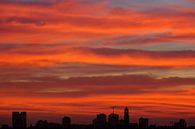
59	56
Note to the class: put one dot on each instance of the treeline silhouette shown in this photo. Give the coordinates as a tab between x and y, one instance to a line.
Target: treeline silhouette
19	121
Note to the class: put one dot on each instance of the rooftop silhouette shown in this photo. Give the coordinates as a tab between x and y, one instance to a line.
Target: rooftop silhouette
19	121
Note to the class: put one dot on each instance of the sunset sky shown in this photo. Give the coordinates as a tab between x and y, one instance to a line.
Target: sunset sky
81	57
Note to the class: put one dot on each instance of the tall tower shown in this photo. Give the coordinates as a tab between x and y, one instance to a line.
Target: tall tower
23	120
19	120
15	120
66	122
126	116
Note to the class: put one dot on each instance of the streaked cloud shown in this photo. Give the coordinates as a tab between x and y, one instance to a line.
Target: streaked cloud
57	56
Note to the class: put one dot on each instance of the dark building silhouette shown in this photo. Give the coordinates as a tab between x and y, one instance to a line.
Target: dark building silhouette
54	126
41	124
143	123
19	120
100	121
126	116
5	126
133	125
66	122
181	124
113	119
152	127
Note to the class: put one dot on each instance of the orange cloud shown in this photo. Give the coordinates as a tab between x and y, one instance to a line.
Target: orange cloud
71	21
43	37
58	55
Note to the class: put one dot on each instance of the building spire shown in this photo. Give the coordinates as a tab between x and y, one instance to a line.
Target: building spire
126	115
113	109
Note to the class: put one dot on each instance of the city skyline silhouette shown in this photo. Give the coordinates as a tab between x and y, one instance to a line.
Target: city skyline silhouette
79	58
106	121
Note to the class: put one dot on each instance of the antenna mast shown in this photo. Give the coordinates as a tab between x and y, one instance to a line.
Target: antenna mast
113	109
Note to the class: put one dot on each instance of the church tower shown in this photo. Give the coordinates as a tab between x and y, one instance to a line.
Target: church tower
126	116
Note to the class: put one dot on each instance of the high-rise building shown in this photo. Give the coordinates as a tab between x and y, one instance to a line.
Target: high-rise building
101	119
19	120
23	119
113	119
181	124
66	122
143	123
126	116
15	119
